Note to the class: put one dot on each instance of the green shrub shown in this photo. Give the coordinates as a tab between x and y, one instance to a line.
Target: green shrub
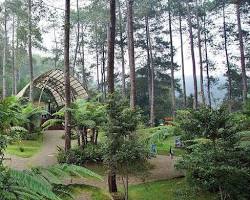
215	160
240	121
21	149
31	136
78	156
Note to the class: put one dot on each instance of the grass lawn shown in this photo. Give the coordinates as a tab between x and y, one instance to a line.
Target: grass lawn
175	189
25	148
78	191
163	146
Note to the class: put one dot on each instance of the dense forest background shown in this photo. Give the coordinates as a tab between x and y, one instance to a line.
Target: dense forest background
166	34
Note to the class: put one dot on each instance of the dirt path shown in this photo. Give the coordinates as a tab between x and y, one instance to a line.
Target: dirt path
163	166
163	169
45	157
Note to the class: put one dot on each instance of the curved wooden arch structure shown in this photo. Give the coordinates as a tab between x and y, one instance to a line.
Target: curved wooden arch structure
53	81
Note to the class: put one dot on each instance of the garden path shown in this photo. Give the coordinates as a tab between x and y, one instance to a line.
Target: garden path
163	166
44	158
163	169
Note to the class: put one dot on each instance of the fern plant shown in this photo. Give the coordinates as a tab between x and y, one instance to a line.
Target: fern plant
39	183
35	184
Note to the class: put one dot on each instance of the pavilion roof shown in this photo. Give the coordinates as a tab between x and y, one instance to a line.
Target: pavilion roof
53	81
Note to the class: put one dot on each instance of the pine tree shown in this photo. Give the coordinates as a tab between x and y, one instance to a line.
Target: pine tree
131	53
67	76
111	88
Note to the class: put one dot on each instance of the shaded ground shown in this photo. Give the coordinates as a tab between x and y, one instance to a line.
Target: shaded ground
163	166
163	169
45	157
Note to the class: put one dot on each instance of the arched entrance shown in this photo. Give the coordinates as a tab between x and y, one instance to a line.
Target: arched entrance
53	81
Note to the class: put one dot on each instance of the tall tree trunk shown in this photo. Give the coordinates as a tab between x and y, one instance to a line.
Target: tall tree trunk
13	58
207	67
200	55
242	54
67	76
30	51
151	75
182	62
111	88
111	46
55	38
17	58
227	60
5	54
131	52
103	71
172	62
82	55
77	33
97	63
193	58
122	51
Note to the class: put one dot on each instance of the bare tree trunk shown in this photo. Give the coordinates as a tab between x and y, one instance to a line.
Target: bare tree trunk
151	76
182	62
82	54
131	52
242	54
97	65
200	56
103	71
5	54
149	63
13	59
126	196
55	38
67	76
172	62
112	181
122	51
96	136
111	46
17	57
193	58
30	51
111	88
77	34
227	60
207	68
84	136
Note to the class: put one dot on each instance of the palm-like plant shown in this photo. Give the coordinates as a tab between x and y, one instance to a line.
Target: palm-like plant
10	117
85	115
31	116
39	183
35	184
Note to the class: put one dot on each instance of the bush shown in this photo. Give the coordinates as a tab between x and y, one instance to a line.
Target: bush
77	156
215	160
21	149
32	136
240	121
